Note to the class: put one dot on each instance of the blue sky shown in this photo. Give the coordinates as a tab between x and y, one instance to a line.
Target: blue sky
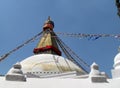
22	19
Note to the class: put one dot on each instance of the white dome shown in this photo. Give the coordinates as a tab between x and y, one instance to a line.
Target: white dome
117	61
48	62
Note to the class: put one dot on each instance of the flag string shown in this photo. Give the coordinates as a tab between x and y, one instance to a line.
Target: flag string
89	36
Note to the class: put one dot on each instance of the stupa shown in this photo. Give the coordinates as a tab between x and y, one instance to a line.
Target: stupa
47	59
47	68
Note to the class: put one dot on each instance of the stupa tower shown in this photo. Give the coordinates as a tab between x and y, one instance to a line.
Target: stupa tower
47	59
48	43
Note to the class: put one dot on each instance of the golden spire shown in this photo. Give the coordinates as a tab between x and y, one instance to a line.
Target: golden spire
48	43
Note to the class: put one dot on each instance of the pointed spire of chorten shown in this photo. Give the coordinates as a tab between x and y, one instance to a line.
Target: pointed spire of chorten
48	43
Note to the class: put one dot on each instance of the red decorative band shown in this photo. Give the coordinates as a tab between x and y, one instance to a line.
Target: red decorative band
37	50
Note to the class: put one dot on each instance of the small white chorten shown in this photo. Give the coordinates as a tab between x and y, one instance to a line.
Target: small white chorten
116	66
95	75
15	73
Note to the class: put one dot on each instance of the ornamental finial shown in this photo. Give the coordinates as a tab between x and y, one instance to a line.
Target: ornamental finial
49	24
49	18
